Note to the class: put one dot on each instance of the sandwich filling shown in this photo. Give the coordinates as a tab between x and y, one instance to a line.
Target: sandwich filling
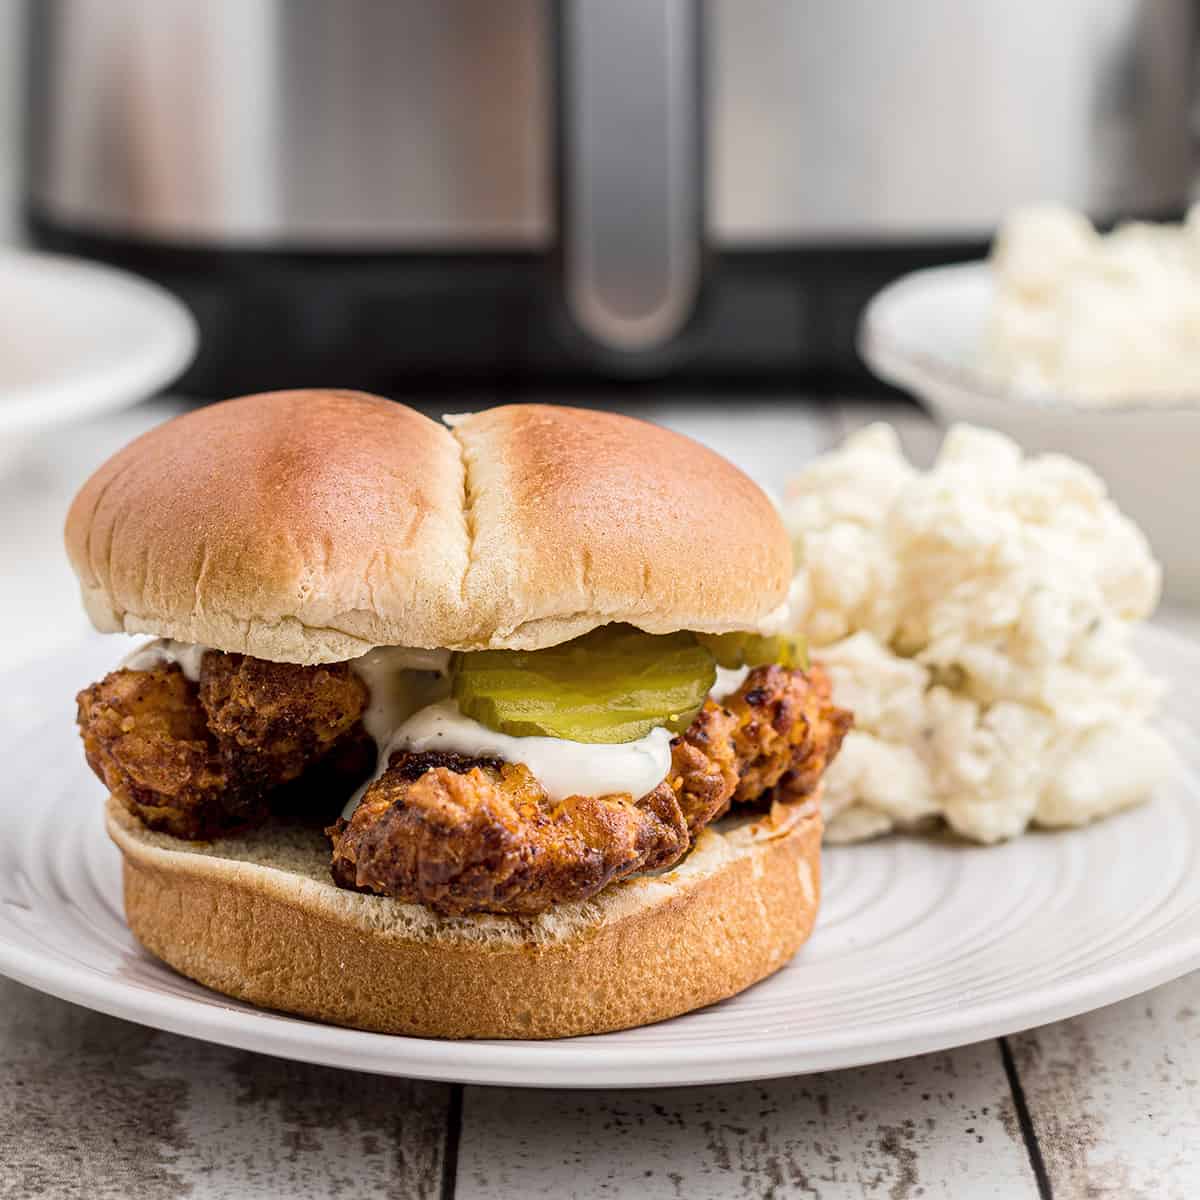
411	709
500	782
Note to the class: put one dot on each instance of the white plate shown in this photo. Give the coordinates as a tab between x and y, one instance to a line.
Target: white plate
923	332
920	945
78	338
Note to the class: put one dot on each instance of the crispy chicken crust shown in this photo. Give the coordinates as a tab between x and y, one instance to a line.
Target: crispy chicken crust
480	836
274	720
469	836
458	834
201	760
145	736
788	730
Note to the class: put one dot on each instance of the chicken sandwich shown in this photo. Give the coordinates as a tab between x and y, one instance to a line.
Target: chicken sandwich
475	729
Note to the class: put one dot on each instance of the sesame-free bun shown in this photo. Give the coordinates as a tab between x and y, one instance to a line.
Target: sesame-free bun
257	917
310	526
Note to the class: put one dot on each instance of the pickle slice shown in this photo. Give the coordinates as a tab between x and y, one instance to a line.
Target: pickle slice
735	650
614	684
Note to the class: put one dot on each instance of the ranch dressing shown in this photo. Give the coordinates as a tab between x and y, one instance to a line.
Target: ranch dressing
409	709
729	679
564	768
399	681
162	650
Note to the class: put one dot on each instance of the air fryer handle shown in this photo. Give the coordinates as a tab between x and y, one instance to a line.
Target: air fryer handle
630	168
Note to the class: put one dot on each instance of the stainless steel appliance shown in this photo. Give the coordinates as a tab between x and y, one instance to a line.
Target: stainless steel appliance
397	191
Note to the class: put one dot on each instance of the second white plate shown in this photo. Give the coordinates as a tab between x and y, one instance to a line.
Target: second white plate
923	333
920	945
79	338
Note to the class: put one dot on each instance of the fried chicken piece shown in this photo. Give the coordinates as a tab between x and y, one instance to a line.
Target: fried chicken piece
145	736
779	730
826	727
316	796
273	720
463	835
199	761
458	834
467	835
787	731
704	768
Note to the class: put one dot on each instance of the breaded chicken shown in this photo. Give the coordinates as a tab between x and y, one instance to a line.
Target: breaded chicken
704	769
199	761
273	720
825	728
314	797
462	836
145	736
788	730
458	834
779	730
466	835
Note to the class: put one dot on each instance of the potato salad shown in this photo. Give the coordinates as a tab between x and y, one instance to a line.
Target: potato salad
976	618
1098	319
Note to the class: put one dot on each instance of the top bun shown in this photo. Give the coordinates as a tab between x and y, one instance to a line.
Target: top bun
310	526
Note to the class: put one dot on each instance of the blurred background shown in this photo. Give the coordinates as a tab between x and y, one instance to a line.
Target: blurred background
12	83
412	195
677	207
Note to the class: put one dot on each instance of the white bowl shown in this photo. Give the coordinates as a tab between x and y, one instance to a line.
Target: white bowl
923	333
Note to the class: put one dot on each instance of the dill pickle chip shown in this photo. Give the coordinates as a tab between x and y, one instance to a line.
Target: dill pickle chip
735	650
614	684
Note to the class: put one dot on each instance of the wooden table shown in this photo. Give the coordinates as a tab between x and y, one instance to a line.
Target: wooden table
1104	1105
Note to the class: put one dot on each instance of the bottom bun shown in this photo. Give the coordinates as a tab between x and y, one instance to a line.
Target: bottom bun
257	917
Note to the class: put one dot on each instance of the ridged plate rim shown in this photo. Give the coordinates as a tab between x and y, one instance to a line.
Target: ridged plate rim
635	1058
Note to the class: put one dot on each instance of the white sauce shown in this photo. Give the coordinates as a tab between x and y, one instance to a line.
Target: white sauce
781	619
729	679
162	650
400	681
409	709
562	767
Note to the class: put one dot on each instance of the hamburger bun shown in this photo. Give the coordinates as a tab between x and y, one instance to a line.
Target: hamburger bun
311	526
257	917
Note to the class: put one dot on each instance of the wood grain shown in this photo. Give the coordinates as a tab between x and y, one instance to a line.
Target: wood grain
937	1126
1114	1097
98	1108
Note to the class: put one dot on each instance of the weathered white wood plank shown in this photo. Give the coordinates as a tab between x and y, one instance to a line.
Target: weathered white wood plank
1114	1097
937	1126
97	1108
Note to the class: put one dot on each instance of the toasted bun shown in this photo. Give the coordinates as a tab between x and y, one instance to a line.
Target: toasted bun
309	526
256	917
